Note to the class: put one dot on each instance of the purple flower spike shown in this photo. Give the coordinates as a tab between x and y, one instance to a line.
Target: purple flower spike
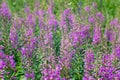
89	65
89	60
87	8
110	35
106	72
52	22
13	37
23	51
117	51
88	77
67	20
2	55
29	32
4	11
12	62
91	20
97	35
2	64
107	60
30	75
31	20
100	16
27	10
114	22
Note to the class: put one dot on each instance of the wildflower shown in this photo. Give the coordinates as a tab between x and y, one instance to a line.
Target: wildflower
110	35
89	60
97	35
23	51
107	60
40	15
4	11
52	73
2	55
48	38
114	22
12	61
29	75
117	75
91	20
87	8
100	16
31	20
29	32
89	65
84	32
75	38
67	20
2	64
27	10
13	37
52	22
88	77
117	51
106	72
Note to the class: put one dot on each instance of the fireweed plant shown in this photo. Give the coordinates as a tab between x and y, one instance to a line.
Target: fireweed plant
38	46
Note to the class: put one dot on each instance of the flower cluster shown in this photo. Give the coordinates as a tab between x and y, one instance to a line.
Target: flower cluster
4	11
38	46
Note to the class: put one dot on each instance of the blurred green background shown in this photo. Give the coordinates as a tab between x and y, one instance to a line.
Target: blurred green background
110	8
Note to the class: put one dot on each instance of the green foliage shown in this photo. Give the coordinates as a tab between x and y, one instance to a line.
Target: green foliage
77	69
108	7
57	41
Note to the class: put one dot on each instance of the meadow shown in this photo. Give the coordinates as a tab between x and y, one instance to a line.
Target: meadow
59	40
